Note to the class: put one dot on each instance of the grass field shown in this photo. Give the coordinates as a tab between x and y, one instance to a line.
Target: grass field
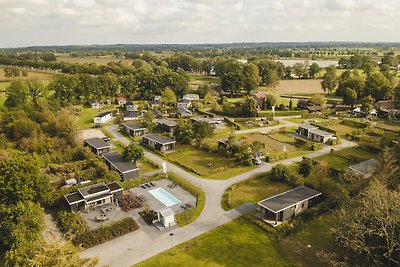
253	190
197	161
313	236
342	159
86	115
342	130
238	243
31	75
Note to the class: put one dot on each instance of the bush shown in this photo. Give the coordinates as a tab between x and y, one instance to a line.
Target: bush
306	166
148	216
280	173
103	234
70	223
129	201
232	123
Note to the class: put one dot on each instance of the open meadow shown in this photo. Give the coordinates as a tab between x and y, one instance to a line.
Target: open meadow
31	75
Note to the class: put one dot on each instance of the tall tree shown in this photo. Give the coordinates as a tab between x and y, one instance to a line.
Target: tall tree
329	80
251	78
133	152
17	94
202	130
313	70
168	97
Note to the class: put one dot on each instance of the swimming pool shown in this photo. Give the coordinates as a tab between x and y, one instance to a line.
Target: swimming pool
164	197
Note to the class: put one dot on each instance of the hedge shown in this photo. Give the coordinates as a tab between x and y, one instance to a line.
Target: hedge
103	234
282	113
276	157
353	123
308	145
232	123
189	215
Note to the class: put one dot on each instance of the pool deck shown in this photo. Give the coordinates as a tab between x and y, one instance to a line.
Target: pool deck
184	196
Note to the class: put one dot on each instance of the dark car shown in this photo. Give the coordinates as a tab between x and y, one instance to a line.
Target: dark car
96	126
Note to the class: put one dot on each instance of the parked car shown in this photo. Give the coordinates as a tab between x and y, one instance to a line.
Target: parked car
96	126
257	161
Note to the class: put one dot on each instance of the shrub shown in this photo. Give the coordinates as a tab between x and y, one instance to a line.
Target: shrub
70	223
280	173
103	234
276	157
129	201
306	166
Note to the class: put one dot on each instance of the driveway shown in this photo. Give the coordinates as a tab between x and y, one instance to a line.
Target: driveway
140	245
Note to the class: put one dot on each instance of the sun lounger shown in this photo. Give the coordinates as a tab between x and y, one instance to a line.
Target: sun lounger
152	184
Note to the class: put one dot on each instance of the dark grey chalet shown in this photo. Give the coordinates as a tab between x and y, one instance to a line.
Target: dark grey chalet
92	196
127	169
97	145
158	142
281	207
166	125
133	129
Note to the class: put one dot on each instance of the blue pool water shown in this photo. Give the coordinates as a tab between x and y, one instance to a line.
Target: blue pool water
164	197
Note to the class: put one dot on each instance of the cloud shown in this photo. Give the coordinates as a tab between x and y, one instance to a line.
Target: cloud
37	22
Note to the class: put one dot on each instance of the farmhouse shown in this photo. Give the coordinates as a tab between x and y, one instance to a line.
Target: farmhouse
166	125
92	196
103	117
365	168
133	129
158	142
97	145
259	96
127	169
312	132
281	207
131	115
185	103
314	109
121	100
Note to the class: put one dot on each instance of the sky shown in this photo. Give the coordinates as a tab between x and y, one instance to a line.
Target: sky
85	22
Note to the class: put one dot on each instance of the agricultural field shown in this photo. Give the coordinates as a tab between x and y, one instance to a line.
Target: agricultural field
31	75
252	190
98	60
208	165
238	243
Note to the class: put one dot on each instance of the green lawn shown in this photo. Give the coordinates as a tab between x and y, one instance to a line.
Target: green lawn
238	243
197	161
203	78
252	190
342	159
342	130
86	115
313	236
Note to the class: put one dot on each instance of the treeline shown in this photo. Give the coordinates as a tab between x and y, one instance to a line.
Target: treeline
142	84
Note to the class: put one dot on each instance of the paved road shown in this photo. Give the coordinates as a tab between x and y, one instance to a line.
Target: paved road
141	245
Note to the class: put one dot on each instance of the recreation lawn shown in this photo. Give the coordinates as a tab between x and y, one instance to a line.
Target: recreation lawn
207	165
252	190
86	115
342	130
237	243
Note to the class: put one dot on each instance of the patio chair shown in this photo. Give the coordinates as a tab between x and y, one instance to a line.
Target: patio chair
142	186
152	184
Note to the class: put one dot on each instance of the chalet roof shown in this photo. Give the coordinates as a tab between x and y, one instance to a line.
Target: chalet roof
169	123
103	114
307	126
288	199
159	139
97	143
320	132
131	114
93	189
119	162
184	111
365	168
133	126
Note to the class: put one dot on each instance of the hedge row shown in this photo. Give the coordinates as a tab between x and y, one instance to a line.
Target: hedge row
103	234
353	123
189	215
282	113
308	145
232	123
